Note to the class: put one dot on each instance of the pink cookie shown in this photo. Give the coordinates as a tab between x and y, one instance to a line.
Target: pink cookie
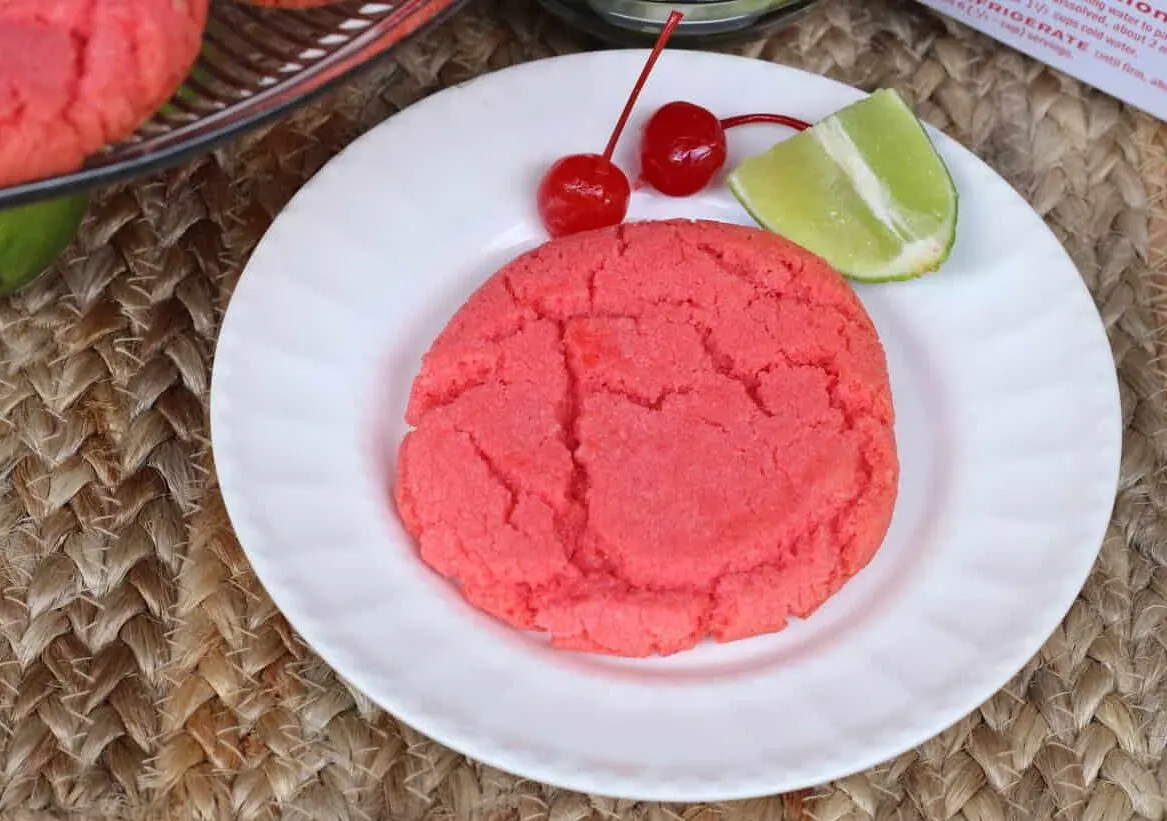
76	75
638	437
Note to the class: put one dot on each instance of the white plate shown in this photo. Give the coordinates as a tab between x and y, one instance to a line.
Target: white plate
1008	426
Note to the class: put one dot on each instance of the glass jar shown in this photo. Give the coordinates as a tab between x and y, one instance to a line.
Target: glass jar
706	22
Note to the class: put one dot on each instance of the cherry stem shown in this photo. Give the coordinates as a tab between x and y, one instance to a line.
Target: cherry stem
780	119
665	33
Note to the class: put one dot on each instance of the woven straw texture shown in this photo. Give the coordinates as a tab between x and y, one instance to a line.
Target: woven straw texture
144	674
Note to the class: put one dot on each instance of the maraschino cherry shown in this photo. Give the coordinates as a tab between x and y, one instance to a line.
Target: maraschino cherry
682	146
585	191
581	192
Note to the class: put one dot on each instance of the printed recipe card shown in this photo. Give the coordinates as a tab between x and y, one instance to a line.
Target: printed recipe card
1117	46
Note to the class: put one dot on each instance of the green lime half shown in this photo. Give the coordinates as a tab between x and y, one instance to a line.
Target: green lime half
31	237
863	188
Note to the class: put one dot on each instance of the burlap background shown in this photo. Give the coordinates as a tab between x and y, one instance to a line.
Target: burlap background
144	673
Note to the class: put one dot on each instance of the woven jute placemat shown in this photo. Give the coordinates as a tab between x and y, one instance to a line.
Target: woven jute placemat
145	674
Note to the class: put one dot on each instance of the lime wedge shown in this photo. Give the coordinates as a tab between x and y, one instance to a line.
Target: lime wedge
863	188
31	237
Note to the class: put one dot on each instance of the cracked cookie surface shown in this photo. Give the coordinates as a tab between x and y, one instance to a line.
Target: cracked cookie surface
77	75
638	437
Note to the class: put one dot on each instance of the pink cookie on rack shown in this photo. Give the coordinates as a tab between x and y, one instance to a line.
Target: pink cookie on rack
77	75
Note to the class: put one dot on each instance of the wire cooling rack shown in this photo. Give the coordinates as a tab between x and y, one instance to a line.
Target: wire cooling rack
255	64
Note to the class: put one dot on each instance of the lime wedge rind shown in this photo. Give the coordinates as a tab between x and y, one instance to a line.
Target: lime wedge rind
33	236
864	188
